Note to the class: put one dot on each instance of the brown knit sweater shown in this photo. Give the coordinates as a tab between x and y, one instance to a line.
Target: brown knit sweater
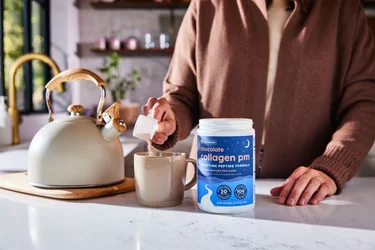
323	108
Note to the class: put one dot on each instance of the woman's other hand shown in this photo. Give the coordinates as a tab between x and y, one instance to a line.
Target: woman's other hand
304	186
158	108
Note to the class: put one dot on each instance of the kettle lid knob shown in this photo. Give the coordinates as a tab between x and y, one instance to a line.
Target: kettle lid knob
75	109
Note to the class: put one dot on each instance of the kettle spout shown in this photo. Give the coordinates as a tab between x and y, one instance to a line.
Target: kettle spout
113	129
114	126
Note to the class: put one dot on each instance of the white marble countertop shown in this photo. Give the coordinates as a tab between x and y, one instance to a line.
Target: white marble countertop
346	221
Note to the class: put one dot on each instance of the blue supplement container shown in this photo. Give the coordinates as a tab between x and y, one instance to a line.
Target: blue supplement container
226	165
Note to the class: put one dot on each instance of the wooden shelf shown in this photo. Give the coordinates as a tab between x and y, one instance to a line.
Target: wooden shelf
88	50
138	52
122	4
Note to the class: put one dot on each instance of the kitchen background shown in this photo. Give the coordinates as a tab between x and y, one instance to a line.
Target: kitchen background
74	29
83	33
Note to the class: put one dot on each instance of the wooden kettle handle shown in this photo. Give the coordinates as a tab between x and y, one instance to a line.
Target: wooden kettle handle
77	74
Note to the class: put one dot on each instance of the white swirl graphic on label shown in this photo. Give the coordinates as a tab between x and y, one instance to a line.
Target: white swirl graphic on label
206	203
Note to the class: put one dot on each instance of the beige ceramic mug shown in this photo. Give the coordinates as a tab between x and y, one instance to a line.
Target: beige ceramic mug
160	179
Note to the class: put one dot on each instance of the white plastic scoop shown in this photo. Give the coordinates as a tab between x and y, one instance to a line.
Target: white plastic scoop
145	128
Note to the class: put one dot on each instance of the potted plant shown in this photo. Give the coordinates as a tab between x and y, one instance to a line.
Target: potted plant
121	86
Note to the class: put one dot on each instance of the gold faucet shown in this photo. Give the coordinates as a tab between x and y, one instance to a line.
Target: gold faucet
13	110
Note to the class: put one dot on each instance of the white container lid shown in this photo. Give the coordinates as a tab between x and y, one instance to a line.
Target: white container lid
225	121
225	126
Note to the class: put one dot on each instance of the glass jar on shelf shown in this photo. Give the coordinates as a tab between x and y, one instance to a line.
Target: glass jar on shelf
149	42
101	44
115	44
132	43
164	42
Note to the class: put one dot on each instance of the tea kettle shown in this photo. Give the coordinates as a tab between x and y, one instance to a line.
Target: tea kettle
78	151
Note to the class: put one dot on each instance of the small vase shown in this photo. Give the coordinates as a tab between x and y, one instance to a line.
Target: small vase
129	112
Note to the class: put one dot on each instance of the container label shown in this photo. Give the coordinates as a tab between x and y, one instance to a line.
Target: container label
226	170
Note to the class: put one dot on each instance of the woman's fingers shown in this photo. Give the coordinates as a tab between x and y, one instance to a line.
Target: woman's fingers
144	110
311	188
276	191
159	138
323	191
289	183
167	127
305	185
148	106
327	188
160	110
297	190
164	114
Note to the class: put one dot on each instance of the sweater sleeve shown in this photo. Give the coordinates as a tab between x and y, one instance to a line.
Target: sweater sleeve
355	116
180	85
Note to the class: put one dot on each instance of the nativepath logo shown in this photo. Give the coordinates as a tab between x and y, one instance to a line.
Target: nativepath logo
208	142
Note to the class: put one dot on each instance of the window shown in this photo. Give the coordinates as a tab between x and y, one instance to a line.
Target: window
25	28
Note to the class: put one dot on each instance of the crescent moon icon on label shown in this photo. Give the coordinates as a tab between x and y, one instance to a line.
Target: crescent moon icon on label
248	144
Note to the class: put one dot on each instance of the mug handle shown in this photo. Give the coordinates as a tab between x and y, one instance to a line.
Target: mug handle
194	180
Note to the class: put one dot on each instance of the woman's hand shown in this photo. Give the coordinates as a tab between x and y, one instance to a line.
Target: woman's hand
304	186
160	110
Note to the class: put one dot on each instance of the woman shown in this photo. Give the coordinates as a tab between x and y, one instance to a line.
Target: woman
304	71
